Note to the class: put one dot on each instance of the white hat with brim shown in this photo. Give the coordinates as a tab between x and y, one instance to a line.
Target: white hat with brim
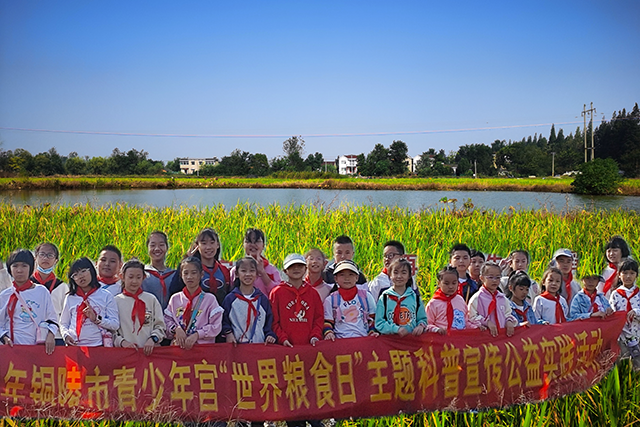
346	265
292	259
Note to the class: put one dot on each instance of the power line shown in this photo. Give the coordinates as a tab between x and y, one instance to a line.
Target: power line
327	135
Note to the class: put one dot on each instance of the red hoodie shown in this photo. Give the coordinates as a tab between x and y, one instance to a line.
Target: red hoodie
298	314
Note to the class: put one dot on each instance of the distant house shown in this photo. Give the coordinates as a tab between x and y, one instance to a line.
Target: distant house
347	165
412	162
190	165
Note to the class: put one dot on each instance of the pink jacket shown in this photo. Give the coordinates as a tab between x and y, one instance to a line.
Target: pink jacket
437	315
479	308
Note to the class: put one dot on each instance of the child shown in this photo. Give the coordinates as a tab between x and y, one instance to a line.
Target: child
159	276
192	316
616	251
46	260
460	259
519	285
298	313
141	317
563	261
447	309
399	309
342	249
489	307
519	261
349	312
477	260
627	298
268	277
392	250
550	307
247	313
589	302
27	315
108	266
316	262
216	277
90	312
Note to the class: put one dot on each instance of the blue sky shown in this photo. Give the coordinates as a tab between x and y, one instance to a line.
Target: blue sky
366	72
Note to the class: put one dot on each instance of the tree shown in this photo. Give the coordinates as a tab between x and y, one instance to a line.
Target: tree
397	158
294	149
75	165
173	165
478	156
599	176
313	162
258	164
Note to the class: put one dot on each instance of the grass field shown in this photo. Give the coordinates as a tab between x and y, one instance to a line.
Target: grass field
80	231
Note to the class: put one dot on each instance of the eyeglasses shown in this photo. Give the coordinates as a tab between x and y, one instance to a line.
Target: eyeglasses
391	255
79	272
45	255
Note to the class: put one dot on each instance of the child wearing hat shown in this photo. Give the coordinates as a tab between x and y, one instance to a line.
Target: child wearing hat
563	260
589	302
298	313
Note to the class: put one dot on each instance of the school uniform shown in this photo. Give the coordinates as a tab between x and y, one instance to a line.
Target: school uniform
381	283
349	318
394	311
130	329
38	303
569	289
481	308
215	280
610	282
58	290
157	283
248	317
467	287
298	313
523	313
584	304
114	288
206	311
272	272
322	287
549	309
624	299
90	335
448	313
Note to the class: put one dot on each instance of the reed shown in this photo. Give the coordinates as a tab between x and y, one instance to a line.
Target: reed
83	230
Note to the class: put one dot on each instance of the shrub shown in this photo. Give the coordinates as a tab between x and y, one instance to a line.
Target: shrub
599	176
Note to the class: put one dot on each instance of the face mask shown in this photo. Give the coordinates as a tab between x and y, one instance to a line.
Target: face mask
46	271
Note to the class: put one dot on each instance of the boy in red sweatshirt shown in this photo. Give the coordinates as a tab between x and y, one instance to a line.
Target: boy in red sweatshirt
298	313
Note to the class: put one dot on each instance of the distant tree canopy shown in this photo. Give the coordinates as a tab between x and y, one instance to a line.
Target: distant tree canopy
383	162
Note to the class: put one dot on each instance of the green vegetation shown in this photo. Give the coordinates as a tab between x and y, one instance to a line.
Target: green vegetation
597	177
81	231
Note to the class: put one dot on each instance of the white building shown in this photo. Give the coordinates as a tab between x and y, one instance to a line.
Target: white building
190	165
347	165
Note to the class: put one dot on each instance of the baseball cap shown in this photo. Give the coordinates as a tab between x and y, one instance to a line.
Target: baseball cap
293	259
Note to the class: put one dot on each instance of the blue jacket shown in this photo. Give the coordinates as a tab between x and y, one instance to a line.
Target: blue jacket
581	305
528	313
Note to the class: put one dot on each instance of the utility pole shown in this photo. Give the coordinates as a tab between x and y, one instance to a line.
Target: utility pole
584	113
553	164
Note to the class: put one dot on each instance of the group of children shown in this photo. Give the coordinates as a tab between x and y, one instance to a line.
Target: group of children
144	306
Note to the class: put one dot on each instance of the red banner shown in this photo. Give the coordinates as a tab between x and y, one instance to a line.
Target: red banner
359	377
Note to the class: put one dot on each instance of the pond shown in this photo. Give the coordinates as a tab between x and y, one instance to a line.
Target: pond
413	200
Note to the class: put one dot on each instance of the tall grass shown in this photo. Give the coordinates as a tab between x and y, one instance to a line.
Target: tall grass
83	230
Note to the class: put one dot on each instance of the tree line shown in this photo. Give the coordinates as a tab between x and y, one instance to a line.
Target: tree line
617	139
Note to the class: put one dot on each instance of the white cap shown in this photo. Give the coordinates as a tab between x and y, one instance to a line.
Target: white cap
293	259
346	265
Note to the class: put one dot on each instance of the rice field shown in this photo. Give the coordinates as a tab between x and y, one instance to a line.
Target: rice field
83	230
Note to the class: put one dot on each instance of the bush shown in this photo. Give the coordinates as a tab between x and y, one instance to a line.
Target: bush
599	176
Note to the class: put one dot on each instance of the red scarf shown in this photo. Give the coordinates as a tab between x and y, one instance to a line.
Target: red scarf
80	316
162	277
186	316
396	310
623	294
108	280
13	301
384	270
265	263
609	282
592	297
559	311
493	306
139	308
521	313
252	309
348	294
298	305
316	283
439	295
567	286
50	284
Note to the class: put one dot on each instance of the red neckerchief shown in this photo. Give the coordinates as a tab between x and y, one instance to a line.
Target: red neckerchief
592	297
314	284
186	316
461	286
439	295
348	294
396	310
384	270
162	277
265	263
559	311
50	284
609	282
139	308
298	304
567	286
252	309
493	306
623	293
13	301
80	316
108	281
521	313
